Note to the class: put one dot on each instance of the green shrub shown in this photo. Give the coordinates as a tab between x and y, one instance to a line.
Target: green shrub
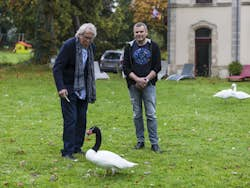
164	55
234	68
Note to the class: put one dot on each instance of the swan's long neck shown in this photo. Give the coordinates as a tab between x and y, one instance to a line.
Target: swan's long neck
98	140
234	88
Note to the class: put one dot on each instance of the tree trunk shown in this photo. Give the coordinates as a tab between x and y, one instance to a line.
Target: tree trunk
45	40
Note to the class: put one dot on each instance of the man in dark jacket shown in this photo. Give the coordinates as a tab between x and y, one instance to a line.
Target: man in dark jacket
142	62
75	81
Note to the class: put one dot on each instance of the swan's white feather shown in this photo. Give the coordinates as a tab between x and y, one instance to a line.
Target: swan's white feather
232	93
226	93
103	158
241	95
108	160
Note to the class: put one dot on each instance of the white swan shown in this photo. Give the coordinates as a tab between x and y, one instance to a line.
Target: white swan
226	93
239	94
232	93
105	159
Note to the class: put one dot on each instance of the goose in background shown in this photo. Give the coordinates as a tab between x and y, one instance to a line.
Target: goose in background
232	93
103	158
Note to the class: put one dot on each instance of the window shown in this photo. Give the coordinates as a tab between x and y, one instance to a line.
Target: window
112	55
203	33
203	1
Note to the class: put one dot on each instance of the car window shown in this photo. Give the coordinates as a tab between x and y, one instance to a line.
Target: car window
112	55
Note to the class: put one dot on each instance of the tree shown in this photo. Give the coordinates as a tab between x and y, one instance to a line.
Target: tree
126	33
47	23
5	22
153	13
108	7
112	26
45	46
150	11
25	22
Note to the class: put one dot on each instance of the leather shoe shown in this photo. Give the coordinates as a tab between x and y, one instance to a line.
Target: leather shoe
80	152
155	148
139	145
70	157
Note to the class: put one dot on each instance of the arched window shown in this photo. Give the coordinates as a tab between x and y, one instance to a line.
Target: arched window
203	33
203	52
203	1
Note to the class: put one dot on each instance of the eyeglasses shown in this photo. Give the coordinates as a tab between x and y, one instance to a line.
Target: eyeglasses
86	37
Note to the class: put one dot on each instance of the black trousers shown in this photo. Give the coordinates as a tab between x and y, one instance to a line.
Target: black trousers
74	123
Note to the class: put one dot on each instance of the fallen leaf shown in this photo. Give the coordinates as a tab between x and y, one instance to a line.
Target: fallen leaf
5	183
12	140
22	163
147	173
20	151
53	177
20	184
209	139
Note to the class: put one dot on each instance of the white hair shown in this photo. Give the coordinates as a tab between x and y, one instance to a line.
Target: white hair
86	27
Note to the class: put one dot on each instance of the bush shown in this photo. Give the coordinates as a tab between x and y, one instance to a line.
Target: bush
101	47
234	68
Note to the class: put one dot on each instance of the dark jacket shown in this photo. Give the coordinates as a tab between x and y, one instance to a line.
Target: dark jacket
64	68
155	61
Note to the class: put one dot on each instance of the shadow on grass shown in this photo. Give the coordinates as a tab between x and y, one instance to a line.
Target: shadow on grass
2	65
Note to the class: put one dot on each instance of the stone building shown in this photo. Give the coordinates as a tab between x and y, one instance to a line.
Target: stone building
208	33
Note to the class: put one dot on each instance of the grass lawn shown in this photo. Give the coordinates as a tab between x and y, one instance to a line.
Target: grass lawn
9	57
205	140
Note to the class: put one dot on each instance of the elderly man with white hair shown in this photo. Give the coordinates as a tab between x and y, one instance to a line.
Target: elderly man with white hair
75	82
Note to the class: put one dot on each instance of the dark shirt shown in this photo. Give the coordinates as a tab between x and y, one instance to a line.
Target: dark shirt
133	62
141	56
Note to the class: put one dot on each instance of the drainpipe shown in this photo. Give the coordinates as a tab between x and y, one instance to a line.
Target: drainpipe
169	31
237	29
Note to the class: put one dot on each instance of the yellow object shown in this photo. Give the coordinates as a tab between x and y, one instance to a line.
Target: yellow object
22	47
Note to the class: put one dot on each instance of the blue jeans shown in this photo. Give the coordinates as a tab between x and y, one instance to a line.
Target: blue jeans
148	96
74	123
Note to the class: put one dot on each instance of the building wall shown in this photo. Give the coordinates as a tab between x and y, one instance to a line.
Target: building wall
191	2
188	16
245	34
185	41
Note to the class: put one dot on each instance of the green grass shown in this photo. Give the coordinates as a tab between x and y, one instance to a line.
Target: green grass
9	57
205	140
